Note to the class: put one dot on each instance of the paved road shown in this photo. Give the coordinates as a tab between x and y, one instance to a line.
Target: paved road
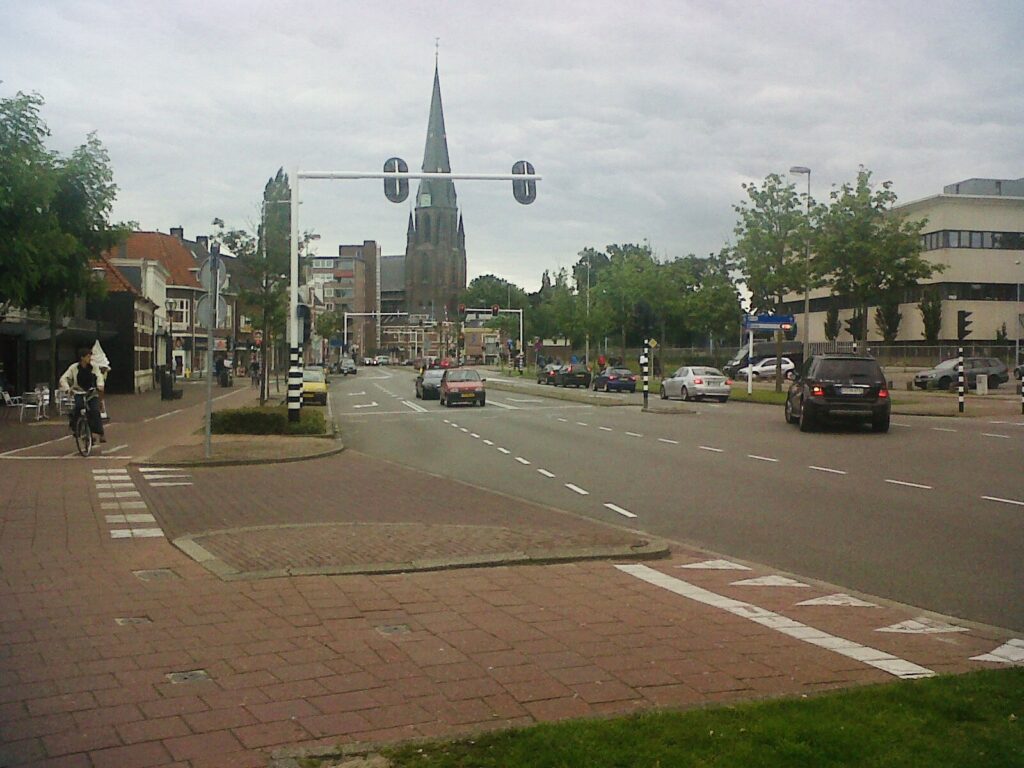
931	514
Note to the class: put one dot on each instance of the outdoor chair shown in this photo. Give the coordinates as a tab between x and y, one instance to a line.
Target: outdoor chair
39	400
10	403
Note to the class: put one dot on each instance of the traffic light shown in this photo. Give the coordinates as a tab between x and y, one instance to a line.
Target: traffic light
462	310
396	190
494	310
307	322
963	324
524	191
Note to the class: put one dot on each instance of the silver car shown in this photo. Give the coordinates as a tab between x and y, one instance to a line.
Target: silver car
697	382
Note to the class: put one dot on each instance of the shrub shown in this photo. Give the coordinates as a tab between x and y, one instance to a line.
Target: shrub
268	421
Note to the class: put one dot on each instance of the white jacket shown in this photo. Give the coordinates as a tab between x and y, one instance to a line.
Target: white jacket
69	381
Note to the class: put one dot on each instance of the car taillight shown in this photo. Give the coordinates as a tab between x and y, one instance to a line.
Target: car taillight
883	392
698	381
612	378
817	391
632	378
728	382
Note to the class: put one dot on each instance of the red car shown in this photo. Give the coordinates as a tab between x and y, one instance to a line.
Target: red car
462	385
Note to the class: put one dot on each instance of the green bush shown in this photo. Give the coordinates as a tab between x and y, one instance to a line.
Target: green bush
268	421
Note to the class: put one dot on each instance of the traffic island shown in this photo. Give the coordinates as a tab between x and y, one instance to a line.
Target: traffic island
240	450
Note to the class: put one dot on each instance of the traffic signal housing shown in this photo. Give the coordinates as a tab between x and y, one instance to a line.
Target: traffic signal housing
495	310
963	324
396	190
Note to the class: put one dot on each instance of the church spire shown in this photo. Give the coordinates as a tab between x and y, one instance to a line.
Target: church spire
435	156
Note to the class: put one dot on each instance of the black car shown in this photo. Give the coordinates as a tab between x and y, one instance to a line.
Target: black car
428	384
618	379
839	387
573	375
546	375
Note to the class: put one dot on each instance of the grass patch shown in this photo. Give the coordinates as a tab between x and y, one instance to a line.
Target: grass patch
963	720
769	396
268	421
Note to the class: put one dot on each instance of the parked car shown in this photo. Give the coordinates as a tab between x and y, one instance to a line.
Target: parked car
617	379
382	360
1019	372
944	375
841	387
572	375
428	384
347	366
794	350
314	385
697	382
765	369
462	385
369	361
546	375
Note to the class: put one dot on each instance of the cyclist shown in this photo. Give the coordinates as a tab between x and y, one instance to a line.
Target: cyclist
85	383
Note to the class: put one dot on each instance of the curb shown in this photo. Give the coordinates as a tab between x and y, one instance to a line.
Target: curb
333	451
654	549
556	394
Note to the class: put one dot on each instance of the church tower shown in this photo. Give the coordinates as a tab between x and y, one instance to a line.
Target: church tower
435	250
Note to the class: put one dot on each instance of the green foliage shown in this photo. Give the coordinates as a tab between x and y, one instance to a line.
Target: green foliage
329	325
268	421
867	252
1002	336
832	326
951	720
888	317
856	324
931	314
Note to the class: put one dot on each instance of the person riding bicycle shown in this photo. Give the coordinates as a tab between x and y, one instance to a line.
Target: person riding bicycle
85	382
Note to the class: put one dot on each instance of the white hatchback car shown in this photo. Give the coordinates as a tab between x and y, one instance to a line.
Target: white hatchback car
697	382
765	369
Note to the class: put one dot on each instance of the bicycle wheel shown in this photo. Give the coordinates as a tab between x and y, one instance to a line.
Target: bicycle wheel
83	436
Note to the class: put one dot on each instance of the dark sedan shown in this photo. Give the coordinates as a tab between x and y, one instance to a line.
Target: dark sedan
575	375
840	387
615	379
428	384
546	375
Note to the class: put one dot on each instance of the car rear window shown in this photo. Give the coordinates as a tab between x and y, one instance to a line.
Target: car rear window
849	369
706	372
622	371
463	376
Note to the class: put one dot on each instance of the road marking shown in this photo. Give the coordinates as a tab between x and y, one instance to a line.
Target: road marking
506	451
761	458
545	473
899	424
990	434
840	598
144	470
114	486
943	429
147	533
1010	652
37	445
909	485
770	581
488	442
709	448
524	400
827	469
446	421
620	510
374	404
453	424
164	415
634	434
582	424
1004	501
606	429
559	418
474	435
787	626
414	406
521	460
355	394
140	518
922	625
119	494
115	449
123	505
168	485
504	405
666	440
463	429
716	565
577	489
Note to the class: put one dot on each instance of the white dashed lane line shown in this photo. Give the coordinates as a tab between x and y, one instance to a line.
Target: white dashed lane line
1004	501
666	440
762	458
606	429
709	448
521	460
577	489
943	429
620	510
506	451
546	473
909	485
827	469
991	434
582	424
634	434
488	442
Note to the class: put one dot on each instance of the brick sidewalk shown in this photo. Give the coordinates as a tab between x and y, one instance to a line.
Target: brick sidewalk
89	648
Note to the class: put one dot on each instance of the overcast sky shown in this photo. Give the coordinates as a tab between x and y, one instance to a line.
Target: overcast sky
643	117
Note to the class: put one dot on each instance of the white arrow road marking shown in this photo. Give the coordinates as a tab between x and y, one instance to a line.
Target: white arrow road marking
545	473
770	581
839	598
922	625
909	485
374	404
1010	652
827	469
1004	501
620	510
787	626
716	565
577	489
414	406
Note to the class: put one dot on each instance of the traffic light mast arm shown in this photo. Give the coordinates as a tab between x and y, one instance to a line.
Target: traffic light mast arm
418	175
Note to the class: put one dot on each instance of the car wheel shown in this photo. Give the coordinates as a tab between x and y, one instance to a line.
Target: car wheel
789	375
880	424
806	421
685	394
723	399
790	418
993	382
945	383
662	393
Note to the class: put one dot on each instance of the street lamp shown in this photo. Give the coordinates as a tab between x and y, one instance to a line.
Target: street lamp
801	169
1016	325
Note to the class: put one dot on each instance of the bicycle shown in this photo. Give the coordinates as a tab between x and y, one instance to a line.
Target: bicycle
82	430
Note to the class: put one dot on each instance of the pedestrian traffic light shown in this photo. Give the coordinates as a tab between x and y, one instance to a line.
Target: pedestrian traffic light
963	324
524	191
462	310
396	190
495	310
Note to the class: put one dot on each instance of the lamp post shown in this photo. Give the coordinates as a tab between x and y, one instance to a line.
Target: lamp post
169	309
801	169
1016	325
586	351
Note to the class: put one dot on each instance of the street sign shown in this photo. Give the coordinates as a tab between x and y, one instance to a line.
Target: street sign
768	322
205	274
203	311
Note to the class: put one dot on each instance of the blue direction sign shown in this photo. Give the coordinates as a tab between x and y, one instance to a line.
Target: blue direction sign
768	322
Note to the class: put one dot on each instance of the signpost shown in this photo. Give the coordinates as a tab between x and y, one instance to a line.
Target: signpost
753	323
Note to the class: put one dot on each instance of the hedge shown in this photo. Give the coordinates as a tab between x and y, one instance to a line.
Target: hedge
268	421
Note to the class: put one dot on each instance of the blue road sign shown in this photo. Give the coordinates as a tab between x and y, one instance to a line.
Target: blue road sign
768	322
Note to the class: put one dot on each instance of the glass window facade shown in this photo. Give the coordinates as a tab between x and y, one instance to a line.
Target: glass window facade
945	238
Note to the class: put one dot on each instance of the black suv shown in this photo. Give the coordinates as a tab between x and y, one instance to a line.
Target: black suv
839	386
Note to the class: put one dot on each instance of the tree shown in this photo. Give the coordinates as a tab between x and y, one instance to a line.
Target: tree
931	314
54	216
1002	336
856	324
867	251
329	325
628	279
832	327
888	316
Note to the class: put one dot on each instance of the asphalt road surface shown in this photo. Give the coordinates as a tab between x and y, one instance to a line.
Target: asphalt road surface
931	514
